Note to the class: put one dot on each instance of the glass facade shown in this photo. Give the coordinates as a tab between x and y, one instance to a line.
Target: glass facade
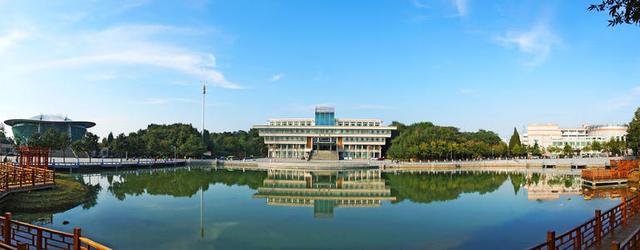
325	118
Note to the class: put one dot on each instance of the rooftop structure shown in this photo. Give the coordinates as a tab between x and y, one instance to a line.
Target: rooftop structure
324	137
546	135
23	129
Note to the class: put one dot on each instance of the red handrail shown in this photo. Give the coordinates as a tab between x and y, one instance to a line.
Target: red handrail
593	230
20	235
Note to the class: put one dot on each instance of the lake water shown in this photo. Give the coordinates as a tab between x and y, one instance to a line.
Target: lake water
203	208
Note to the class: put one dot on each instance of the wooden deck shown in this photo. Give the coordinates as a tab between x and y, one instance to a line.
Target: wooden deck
620	234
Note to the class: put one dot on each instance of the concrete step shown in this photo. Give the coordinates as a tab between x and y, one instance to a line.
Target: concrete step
325	155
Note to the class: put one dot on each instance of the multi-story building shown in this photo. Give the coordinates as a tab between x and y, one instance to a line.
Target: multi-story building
324	137
546	135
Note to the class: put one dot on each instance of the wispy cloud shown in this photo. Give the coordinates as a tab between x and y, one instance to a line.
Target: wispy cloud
419	4
631	97
462	7
277	77
466	91
375	107
135	45
11	39
536	42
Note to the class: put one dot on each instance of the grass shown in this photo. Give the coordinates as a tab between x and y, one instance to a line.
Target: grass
66	194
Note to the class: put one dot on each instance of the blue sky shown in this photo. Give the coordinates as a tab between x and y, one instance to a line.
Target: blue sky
470	64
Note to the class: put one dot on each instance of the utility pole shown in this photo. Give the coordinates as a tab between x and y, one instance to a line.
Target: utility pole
204	92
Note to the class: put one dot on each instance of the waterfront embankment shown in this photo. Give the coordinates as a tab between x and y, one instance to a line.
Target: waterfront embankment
389	165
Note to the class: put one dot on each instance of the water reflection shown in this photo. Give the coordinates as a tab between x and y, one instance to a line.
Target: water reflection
324	190
179	182
443	186
224	208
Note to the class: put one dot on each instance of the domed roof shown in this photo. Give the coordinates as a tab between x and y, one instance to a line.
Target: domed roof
51	118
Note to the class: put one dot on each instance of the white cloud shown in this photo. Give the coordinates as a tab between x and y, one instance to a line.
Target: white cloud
11	39
462	7
623	101
537	42
466	91
419	4
131	45
277	77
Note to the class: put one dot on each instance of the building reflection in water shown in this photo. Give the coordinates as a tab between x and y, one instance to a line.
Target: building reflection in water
552	185
324	190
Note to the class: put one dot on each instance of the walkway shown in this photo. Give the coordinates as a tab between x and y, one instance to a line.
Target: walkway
620	234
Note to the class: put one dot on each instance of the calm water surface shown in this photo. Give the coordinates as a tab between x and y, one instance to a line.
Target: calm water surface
200	208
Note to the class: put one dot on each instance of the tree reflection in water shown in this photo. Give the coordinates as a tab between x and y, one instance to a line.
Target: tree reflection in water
180	183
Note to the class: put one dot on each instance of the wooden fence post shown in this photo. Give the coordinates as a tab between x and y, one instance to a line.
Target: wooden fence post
615	245
624	211
22	246
598	229
551	240
39	239
577	244
6	229
612	221
76	238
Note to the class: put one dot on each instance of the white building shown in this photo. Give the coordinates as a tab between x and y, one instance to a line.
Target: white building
546	135
324	137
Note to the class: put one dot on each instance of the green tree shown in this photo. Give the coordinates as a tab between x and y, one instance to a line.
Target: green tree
426	141
518	150
88	143
567	150
620	11
633	133
535	150
514	140
596	146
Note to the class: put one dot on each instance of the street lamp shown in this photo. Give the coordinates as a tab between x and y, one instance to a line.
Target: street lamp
174	154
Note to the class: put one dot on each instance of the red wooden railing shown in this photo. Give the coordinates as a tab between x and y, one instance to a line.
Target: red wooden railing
14	178
620	169
592	231
20	235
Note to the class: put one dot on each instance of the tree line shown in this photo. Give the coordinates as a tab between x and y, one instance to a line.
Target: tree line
183	140
426	141
419	141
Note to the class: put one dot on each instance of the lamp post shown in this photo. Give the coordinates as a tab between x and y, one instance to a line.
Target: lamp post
174	154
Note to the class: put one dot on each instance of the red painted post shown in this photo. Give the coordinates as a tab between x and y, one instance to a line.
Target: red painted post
598	230
612	221
551	240
39	240
615	245
624	211
577	244
22	246
76	238
6	229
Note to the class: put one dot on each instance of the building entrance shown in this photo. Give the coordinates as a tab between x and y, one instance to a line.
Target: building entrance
324	143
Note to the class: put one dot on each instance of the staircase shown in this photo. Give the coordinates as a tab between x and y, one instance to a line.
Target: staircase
324	155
